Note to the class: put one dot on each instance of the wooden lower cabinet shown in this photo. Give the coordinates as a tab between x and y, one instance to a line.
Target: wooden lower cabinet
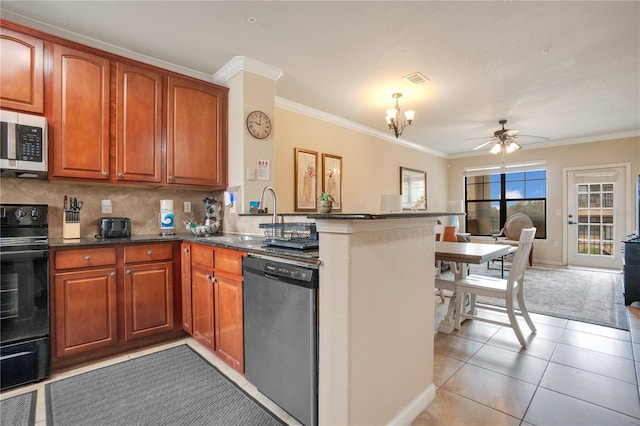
214	285
229	334
185	253
110	299
148	299
86	312
202	294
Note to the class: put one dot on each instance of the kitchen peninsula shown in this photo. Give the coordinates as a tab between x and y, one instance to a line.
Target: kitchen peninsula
376	317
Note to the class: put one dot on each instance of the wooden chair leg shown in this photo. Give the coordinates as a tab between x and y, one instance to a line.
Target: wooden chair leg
460	296
514	323
525	313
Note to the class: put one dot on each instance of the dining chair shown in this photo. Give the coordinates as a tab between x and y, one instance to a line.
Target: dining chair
440	283
510	290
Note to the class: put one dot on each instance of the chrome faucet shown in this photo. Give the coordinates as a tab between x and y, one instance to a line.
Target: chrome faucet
274	219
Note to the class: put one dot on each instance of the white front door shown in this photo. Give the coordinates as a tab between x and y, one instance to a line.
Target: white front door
596	205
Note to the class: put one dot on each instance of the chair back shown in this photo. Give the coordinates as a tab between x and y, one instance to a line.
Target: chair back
438	230
519	264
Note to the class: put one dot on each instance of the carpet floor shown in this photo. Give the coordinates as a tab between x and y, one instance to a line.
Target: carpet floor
19	410
171	387
595	297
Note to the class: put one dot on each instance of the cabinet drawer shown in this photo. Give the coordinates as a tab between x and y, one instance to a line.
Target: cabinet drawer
228	261
202	255
86	257
148	252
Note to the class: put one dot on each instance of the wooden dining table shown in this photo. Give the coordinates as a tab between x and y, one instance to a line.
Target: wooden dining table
462	254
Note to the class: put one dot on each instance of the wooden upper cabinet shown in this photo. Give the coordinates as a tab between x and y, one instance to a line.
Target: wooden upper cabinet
196	133
80	114
138	120
21	72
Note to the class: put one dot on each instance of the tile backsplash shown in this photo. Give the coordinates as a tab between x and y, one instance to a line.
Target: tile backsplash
141	205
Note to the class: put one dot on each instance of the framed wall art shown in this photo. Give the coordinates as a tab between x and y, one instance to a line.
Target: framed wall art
413	187
332	178
305	169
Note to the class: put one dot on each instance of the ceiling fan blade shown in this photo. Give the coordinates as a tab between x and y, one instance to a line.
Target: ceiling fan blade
482	145
511	132
482	137
544	138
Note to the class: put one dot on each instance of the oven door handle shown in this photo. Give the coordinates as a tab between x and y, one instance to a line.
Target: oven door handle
24	254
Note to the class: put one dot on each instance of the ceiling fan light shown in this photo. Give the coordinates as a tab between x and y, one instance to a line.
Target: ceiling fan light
391	115
496	149
512	147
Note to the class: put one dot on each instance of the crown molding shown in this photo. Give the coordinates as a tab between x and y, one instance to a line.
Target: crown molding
244	63
339	121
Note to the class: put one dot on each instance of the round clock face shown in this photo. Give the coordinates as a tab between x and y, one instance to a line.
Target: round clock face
259	124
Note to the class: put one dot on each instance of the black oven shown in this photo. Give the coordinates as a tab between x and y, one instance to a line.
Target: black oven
24	294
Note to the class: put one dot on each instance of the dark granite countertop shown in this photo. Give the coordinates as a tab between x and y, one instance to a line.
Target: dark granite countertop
381	215
249	243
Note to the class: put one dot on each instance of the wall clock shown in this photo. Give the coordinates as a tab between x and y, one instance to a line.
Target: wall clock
259	124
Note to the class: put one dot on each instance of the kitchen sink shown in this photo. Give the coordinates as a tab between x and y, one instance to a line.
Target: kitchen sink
235	238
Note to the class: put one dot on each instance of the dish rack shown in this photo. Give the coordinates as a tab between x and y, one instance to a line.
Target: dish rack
297	235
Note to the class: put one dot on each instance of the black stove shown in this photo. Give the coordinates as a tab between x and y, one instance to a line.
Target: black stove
24	294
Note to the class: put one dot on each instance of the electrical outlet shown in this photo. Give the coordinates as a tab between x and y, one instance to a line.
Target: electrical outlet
187	206
106	206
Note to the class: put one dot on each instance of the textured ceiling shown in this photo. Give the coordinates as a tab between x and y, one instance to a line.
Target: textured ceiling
569	71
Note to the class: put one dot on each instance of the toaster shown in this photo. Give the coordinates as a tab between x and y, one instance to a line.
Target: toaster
114	227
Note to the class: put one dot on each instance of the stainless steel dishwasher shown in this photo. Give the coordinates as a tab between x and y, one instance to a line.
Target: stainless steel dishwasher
281	334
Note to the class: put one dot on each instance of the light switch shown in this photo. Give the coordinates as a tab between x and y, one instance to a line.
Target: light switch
251	174
106	206
187	206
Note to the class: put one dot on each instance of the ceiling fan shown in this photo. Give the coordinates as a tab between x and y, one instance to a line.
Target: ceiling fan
504	140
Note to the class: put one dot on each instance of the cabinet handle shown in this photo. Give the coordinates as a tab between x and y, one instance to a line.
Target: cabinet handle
129	271
149	252
171	178
214	279
105	174
87	258
186	250
120	174
208	277
113	274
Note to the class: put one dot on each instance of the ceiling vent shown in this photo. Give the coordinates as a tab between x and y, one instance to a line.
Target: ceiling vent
416	78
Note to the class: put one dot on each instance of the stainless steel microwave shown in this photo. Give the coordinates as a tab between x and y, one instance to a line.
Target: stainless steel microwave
23	145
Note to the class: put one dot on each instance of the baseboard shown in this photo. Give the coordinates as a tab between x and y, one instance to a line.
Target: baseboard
409	413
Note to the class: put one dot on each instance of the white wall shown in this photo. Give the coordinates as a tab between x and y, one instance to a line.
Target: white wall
370	165
589	154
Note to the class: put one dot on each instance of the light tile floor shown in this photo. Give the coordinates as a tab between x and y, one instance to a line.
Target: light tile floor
571	373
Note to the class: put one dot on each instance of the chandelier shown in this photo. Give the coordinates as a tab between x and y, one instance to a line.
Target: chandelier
506	146
396	121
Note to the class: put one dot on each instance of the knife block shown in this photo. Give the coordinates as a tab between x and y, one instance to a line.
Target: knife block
70	230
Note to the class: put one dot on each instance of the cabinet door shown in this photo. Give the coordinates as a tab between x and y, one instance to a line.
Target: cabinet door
148	299
196	133
80	115
85	311
21	72
202	305
138	135
228	321
186	288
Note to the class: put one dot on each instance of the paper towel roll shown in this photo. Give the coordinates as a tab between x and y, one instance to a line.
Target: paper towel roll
166	214
391	202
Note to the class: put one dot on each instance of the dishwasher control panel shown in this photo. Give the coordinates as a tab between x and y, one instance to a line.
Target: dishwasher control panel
288	271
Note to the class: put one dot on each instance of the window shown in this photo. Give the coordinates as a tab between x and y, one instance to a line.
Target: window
491	198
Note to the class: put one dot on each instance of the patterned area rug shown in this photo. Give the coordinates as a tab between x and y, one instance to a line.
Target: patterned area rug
19	410
172	387
589	296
